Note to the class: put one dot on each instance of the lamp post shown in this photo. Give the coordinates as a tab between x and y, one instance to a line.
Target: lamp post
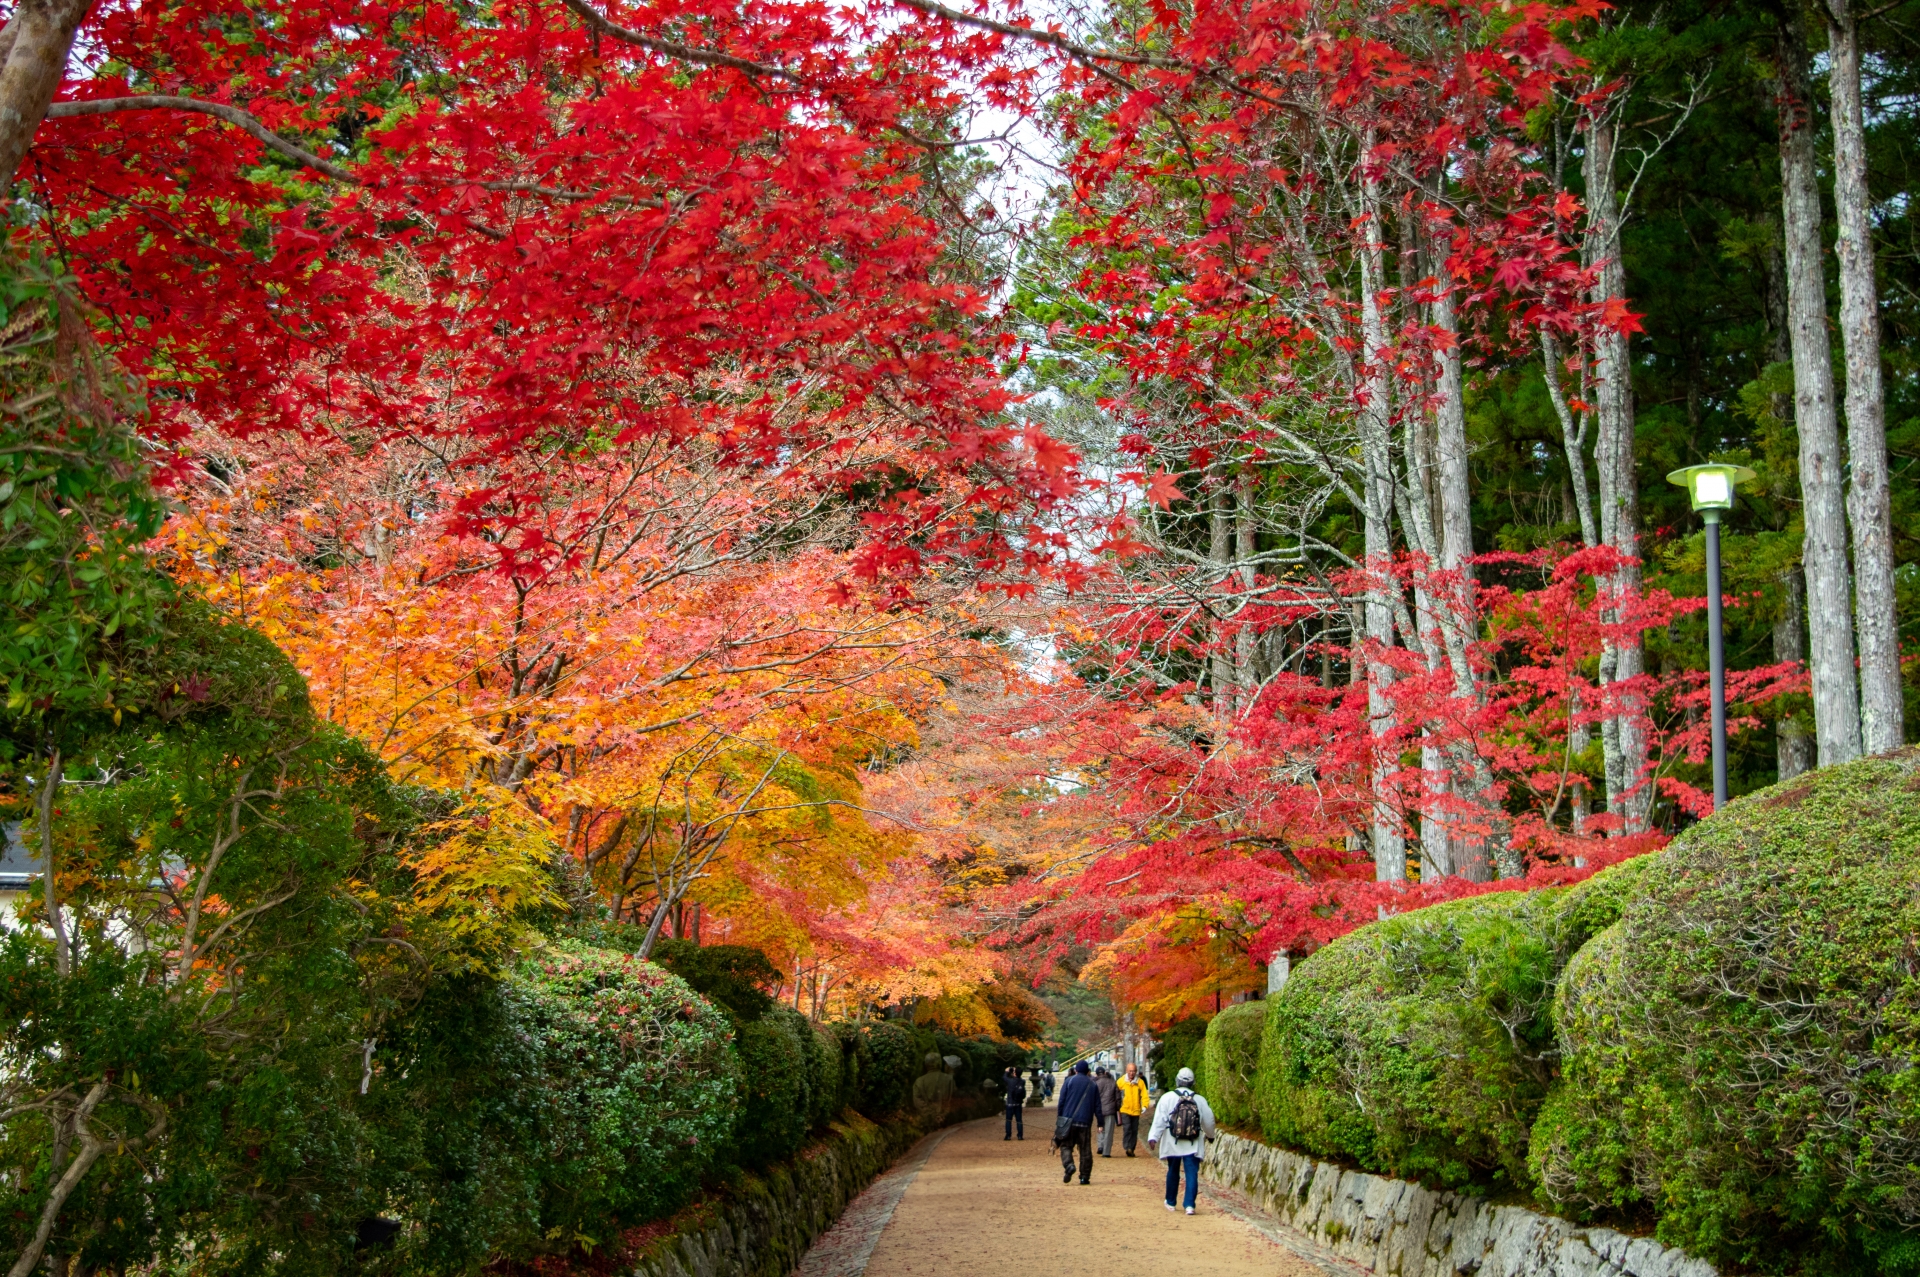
1710	487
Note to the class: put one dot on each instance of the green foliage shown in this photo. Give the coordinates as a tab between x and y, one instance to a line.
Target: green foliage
1743	1046
1231	1053
1180	1046
75	502
777	1087
1422	1045
220	1039
737	979
889	1061
636	1093
826	1080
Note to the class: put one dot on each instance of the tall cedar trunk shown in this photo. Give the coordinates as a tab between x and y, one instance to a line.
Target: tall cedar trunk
1836	705
1246	652
1220	556
1793	748
1461	612
1622	734
1436	767
34	45
1376	442
1793	745
1869	499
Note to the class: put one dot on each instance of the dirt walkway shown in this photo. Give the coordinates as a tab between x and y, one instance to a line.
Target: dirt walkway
965	1203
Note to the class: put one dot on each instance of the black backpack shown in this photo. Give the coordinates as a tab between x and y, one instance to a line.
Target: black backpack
1183	1124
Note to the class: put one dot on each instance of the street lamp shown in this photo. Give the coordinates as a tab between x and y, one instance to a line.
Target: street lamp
1710	487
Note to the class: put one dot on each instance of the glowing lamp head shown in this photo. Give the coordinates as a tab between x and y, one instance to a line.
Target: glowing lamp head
1711	486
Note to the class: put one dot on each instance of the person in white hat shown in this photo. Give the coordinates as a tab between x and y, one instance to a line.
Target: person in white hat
1182	1128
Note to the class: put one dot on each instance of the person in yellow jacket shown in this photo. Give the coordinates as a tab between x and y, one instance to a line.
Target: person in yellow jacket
1133	1103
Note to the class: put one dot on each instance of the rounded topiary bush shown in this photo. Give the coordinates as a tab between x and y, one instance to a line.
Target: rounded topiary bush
825	1074
891	1060
1232	1057
1743	1046
636	1090
777	1069
1422	1045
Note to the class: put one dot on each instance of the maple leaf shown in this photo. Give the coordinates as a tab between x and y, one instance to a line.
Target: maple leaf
1162	490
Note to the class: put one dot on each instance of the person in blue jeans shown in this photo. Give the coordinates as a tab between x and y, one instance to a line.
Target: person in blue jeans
1182	1128
1013	1089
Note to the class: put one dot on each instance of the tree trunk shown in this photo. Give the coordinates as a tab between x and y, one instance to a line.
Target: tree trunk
1220	555
1573	440
36	43
1246	656
1793	747
1869	499
1376	442
1836	705
1623	736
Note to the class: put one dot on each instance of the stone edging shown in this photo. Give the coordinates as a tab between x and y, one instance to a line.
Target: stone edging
1391	1226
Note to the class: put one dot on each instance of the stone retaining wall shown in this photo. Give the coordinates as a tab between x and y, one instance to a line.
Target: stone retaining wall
764	1224
1399	1229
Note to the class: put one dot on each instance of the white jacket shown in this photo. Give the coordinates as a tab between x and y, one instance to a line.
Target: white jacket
1163	1113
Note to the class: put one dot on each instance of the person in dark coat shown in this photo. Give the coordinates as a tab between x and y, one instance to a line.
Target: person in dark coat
1078	1110
1109	1108
1013	1088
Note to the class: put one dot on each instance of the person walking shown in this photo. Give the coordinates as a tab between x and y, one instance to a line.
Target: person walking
1182	1127
1109	1108
1078	1110
1133	1103
1013	1089
1046	1085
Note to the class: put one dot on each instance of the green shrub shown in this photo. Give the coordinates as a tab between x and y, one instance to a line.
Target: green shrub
734	977
637	1090
1422	1045
825	1075
891	1060
1179	1047
1743	1047
778	1068
1232	1057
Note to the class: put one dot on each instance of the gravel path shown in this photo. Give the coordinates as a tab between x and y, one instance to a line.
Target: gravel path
965	1203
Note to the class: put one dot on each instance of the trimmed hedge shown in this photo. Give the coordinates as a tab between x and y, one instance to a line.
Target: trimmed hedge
635	1094
1743	1047
1180	1046
1231	1056
1422	1046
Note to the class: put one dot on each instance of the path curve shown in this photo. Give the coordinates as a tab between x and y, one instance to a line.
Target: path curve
964	1202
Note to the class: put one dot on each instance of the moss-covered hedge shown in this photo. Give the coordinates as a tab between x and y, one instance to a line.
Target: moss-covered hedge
1232	1057
1743	1046
1422	1045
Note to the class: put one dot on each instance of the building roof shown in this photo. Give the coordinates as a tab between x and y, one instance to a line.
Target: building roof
18	866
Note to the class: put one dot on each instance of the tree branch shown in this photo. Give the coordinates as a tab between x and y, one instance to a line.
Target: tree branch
599	22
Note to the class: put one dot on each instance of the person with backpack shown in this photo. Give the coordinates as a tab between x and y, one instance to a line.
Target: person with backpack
1182	1127
1013	1089
1078	1110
